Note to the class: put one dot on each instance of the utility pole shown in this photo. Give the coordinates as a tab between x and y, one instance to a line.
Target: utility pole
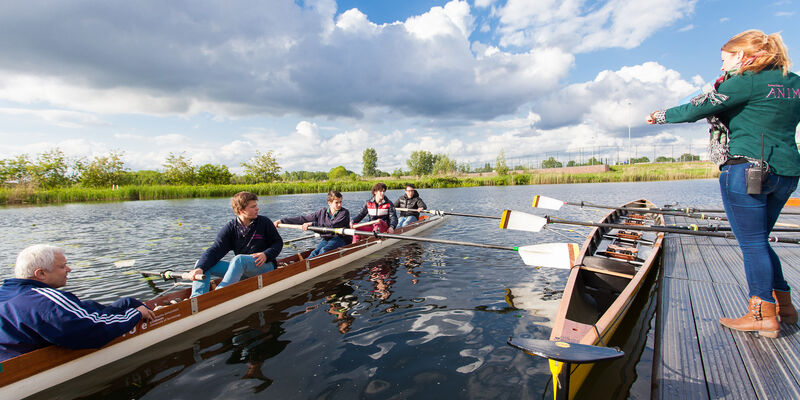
629	132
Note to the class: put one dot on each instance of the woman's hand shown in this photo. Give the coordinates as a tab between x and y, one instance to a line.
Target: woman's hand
306	225
651	119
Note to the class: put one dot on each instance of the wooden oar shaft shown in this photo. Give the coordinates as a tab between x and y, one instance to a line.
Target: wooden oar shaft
712	210
723	228
405	237
647	210
646	228
299	239
442	212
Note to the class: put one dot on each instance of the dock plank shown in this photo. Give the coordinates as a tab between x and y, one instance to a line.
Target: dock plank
695	357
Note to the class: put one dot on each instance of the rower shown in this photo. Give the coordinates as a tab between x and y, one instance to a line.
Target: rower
411	200
252	238
379	209
333	216
33	314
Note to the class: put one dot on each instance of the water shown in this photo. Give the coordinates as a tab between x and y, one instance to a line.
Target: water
419	320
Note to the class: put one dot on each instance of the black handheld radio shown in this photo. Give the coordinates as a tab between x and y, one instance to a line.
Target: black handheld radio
756	173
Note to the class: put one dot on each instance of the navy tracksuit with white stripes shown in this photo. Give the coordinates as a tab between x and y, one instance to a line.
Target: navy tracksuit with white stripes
34	315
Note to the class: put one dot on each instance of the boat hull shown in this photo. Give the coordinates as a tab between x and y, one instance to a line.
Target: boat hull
603	285
39	370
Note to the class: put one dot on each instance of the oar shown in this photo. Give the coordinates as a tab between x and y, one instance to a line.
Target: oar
166	275
550	255
442	212
555	204
300	238
513	219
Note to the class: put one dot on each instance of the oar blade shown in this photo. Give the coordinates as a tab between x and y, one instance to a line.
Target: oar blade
521	221
124	263
547	202
550	255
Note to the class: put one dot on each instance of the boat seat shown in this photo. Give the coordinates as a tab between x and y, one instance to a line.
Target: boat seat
609	264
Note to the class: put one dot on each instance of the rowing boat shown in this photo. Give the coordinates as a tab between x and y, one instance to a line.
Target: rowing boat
607	276
33	372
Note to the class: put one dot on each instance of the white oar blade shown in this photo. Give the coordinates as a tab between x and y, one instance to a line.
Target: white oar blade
124	263
547	202
550	255
521	221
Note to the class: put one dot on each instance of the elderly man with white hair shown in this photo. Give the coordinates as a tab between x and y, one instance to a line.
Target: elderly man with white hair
33	314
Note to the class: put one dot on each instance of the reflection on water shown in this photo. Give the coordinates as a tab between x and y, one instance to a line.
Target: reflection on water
418	320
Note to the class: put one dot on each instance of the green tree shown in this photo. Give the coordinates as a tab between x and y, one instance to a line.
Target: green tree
640	160
571	163
339	173
51	169
443	165
688	157
398	172
178	169
369	162
664	159
144	178
421	163
19	170
463	167
213	174
103	170
501	167
593	161
552	163
263	167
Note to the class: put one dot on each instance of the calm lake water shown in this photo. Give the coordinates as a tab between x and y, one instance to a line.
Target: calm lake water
419	320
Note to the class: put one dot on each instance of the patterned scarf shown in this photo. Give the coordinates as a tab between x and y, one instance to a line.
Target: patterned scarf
718	132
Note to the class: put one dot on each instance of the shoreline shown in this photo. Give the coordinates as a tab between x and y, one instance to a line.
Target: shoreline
600	174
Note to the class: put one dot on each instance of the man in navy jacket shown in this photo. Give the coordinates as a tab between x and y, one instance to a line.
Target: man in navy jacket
33	314
334	216
252	238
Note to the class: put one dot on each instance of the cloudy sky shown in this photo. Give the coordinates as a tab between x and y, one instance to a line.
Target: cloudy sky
318	81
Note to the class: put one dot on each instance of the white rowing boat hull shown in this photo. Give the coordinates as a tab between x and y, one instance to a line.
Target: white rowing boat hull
39	370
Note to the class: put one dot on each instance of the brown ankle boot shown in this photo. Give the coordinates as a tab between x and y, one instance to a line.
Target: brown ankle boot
784	308
760	317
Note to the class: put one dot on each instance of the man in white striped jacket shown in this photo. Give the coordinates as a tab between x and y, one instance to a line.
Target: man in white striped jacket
34	314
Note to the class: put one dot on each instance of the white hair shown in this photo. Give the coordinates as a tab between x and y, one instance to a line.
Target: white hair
38	256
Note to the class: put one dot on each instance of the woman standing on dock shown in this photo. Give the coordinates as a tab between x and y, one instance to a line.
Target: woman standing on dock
754	109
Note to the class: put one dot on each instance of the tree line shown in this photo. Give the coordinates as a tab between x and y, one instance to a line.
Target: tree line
53	169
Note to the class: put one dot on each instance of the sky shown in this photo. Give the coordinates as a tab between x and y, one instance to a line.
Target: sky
319	81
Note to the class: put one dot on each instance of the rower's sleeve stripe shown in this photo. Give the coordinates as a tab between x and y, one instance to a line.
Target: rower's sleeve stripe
70	306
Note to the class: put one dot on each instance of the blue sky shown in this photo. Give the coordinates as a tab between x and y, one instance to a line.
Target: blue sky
318	81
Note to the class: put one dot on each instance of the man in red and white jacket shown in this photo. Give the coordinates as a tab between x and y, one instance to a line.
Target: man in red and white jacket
378	208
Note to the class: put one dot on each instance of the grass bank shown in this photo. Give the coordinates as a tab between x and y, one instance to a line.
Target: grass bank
617	173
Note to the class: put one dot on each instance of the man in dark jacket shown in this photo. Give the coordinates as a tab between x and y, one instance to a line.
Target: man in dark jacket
252	238
334	216
410	199
33	314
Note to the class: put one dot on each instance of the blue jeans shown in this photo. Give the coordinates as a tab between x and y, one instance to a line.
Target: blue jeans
241	266
752	217
327	245
403	221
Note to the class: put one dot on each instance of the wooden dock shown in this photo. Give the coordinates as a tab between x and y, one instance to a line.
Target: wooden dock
696	357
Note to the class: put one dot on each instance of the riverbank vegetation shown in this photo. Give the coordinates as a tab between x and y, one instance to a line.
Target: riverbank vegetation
217	181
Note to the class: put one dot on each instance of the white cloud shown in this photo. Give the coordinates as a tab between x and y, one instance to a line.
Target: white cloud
686	28
615	99
274	59
62	118
578	27
784	13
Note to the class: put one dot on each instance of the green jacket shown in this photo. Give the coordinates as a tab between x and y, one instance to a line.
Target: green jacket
766	102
